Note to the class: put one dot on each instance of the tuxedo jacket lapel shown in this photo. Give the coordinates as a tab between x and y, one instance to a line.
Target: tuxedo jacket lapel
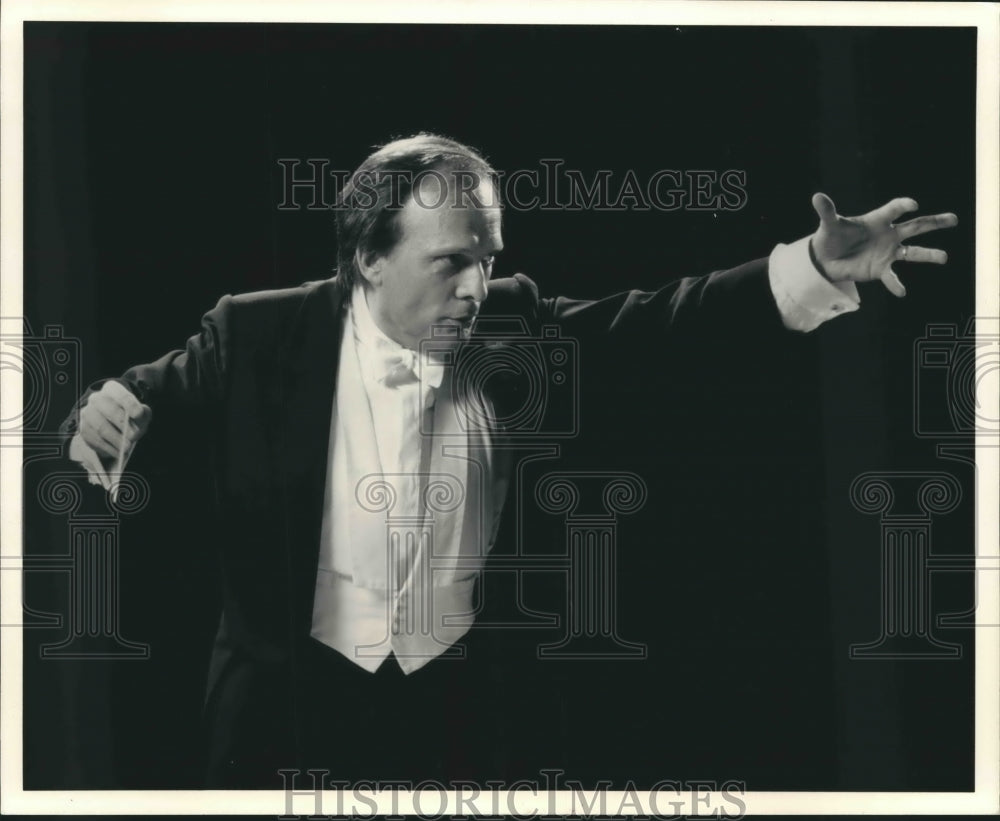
307	376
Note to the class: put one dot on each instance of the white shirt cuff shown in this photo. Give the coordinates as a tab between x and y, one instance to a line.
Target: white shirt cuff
806	299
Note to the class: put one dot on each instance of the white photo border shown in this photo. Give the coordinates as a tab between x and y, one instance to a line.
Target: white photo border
984	17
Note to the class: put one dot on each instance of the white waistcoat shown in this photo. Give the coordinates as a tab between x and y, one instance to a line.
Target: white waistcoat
400	552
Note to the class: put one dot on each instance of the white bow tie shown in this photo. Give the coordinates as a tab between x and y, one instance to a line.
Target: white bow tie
400	365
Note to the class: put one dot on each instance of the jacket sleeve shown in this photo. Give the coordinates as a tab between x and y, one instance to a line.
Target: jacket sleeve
719	332
183	379
731	303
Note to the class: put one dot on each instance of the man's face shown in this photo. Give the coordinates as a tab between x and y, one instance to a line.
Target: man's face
439	269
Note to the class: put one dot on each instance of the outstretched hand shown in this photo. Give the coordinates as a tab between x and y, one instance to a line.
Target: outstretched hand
862	249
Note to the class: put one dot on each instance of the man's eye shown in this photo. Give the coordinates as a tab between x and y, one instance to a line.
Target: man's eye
460	262
454	260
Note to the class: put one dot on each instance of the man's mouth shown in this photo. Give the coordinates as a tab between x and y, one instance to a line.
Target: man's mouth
465	322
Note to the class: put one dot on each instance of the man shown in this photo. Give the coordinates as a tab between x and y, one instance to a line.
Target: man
360	481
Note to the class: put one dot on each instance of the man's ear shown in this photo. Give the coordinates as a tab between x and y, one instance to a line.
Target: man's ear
370	265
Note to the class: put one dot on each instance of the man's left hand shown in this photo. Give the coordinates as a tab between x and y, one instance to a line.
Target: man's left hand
862	249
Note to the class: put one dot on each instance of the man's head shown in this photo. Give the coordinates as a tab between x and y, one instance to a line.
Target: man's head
418	225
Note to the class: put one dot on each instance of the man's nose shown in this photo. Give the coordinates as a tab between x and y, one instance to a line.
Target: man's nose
473	283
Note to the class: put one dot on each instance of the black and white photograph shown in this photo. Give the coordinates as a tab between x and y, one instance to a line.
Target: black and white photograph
570	408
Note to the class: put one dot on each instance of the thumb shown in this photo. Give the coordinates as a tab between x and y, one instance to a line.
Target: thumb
825	208
891	281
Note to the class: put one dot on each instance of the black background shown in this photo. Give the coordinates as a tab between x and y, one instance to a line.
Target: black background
152	186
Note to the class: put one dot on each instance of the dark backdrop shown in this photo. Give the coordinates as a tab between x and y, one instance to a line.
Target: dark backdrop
152	186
